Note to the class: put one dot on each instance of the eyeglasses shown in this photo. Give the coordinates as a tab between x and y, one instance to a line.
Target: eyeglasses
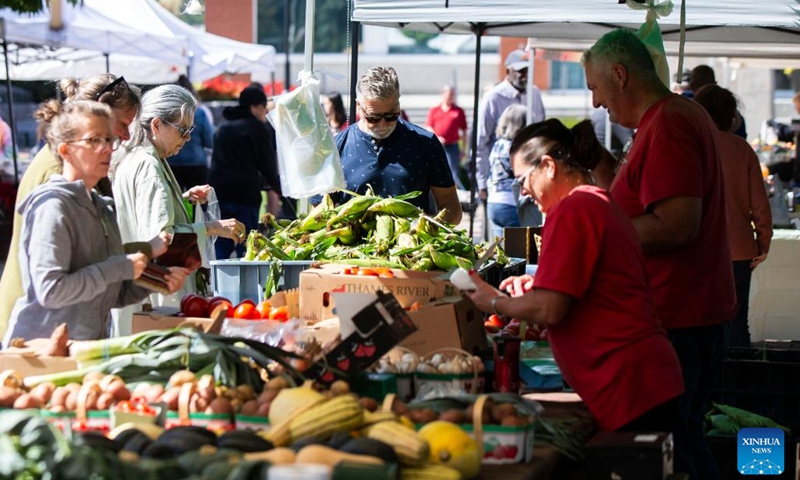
520	181
119	82
389	117
98	144
184	131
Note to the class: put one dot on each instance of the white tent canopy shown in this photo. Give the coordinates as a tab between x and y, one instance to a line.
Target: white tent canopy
730	28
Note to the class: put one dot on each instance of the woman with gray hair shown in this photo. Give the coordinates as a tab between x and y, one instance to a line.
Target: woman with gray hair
501	203
148	198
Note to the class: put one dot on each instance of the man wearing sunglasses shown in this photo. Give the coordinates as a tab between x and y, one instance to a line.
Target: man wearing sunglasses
392	155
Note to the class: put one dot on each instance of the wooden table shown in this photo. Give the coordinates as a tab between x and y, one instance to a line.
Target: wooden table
546	460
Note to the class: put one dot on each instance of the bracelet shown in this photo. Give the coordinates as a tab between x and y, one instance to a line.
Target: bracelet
494	305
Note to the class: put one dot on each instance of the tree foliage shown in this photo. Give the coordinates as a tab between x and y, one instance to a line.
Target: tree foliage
30	6
330	34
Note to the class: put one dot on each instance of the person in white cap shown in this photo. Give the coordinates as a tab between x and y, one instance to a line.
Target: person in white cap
511	91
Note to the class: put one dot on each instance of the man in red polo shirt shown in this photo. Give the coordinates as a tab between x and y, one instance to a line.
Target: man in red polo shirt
669	182
448	121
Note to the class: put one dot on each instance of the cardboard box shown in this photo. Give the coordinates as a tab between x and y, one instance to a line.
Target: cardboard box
453	322
166	317
520	242
370	324
27	364
317	286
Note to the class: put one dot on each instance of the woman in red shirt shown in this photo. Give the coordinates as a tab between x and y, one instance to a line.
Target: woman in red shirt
590	290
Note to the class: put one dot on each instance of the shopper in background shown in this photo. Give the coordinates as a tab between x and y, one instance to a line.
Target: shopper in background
6	140
74	268
590	290
703	75
501	204
448	121
512	90
124	100
670	184
333	106
190	164
746	203
149	199
243	164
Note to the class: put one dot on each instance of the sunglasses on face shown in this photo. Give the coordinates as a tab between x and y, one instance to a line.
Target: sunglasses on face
520	181
376	118
184	131
98	144
111	87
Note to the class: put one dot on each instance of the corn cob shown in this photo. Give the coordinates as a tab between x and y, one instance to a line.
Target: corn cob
430	472
411	449
423	265
395	207
317	217
384	229
352	210
339	414
406	240
443	260
401	225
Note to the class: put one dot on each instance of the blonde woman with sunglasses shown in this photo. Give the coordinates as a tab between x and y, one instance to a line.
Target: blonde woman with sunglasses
74	268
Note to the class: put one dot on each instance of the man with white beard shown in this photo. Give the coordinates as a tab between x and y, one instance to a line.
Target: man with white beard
392	155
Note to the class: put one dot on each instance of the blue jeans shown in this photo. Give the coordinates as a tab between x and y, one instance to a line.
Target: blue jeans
248	215
453	153
700	352
740	332
501	216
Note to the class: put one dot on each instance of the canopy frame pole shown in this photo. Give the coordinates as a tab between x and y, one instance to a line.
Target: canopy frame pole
308	59
531	83
355	28
10	98
287	67
473	157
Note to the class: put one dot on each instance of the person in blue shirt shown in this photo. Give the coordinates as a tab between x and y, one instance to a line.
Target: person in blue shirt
392	155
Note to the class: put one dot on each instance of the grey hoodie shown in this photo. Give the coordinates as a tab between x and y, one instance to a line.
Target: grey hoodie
72	263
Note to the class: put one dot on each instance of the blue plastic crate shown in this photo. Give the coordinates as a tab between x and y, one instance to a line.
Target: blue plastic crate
541	374
237	280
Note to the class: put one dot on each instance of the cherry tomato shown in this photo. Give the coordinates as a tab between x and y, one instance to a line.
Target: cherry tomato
415	306
247	311
280	314
264	308
496	321
196	306
221	301
247	300
347	271
368	272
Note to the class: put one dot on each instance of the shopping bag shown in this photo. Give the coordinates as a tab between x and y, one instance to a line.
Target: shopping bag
209	212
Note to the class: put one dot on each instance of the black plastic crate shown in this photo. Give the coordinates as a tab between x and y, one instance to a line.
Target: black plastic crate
764	370
490	273
514	268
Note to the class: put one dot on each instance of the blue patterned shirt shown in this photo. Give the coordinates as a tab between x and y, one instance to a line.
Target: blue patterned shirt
411	158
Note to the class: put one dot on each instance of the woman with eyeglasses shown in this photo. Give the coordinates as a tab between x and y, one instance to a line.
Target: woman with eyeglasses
590	289
124	101
148	197
74	268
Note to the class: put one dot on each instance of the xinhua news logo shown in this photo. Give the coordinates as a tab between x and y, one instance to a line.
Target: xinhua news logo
760	451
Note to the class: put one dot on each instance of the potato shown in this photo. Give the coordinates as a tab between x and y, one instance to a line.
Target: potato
118	390
71	401
263	409
423	415
514	421
91	399
197	404
153	393
180	377
93	377
205	388
454	416
105	400
170	397
58	397
236	404
340	387
73	387
503	410
25	401
486	418
368	403
43	392
249	408
267	396
246	392
277	383
219	405
9	395
399	407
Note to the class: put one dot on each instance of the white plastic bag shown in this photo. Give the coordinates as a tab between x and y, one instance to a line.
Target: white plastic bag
650	34
210	213
308	160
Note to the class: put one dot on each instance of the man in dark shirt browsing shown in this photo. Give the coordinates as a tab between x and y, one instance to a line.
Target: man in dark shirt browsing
392	155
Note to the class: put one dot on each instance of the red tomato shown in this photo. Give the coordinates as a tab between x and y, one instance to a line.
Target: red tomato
186	299
347	271
368	272
247	300
280	314
213	304
196	306
247	311
496	321
264	308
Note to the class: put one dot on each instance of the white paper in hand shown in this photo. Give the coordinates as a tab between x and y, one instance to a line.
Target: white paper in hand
462	280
